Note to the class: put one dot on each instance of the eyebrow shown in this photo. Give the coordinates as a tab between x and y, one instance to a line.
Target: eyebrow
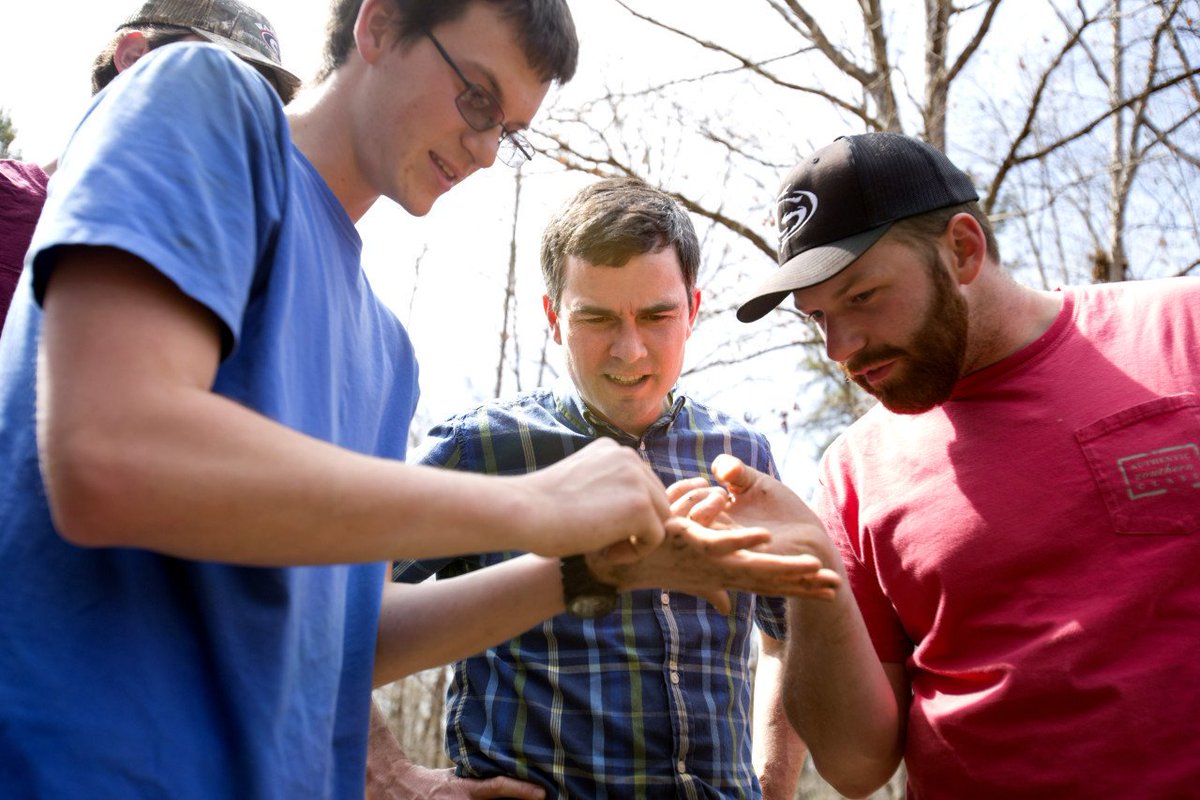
600	311
493	87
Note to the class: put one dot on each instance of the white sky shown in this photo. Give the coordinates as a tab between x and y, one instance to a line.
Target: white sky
453	312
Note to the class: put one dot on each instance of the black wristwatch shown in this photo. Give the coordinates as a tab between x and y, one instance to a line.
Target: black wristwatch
585	596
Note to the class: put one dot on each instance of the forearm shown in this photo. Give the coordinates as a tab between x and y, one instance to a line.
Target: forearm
437	622
138	451
198	476
839	697
778	750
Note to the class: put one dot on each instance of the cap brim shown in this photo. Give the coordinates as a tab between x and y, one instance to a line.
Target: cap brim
253	56
805	269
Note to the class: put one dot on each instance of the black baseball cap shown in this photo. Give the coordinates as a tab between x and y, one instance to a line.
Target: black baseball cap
842	199
236	26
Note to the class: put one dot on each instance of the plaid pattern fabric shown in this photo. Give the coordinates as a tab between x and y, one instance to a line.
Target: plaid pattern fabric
650	701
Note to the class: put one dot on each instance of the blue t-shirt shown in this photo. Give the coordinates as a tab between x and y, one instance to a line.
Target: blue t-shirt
124	673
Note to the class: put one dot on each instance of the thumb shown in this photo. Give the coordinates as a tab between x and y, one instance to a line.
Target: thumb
732	473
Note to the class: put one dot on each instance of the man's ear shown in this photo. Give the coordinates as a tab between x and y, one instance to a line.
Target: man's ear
695	309
373	29
969	244
130	48
551	318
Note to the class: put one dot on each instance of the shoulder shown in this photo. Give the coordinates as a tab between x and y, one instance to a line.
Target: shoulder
1150	306
22	191
538	402
708	419
193	80
22	178
1164	290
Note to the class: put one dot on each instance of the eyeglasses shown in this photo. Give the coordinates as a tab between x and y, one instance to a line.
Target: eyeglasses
482	111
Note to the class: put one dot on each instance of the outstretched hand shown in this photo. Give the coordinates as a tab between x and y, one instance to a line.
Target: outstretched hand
749	498
710	563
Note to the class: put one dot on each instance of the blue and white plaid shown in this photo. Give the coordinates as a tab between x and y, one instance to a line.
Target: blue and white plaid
650	701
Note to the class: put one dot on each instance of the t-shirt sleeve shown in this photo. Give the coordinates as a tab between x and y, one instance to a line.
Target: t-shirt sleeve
180	162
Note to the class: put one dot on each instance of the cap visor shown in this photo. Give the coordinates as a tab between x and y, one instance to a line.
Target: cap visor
813	266
250	54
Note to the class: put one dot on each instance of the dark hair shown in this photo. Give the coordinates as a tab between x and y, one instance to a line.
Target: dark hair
923	228
103	68
545	30
610	222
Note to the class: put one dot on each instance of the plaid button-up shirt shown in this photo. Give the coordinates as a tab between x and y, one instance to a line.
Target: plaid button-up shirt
650	701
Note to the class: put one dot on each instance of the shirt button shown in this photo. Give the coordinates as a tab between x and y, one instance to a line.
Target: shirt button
666	598
675	678
681	767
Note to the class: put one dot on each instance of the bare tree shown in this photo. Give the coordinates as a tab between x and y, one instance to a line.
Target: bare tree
1078	121
1080	159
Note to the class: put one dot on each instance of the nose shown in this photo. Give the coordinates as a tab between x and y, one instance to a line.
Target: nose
842	340
628	345
483	146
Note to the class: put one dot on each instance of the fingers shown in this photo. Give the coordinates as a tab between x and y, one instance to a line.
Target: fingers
718	599
504	787
703	504
662	506
688	532
731	472
679	488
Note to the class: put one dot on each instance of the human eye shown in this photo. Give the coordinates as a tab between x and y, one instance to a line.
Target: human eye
859	298
483	104
591	319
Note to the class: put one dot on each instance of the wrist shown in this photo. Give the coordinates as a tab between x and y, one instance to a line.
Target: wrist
585	594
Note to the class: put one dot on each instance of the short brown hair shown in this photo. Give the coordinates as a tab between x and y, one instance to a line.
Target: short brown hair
922	228
610	222
103	68
544	28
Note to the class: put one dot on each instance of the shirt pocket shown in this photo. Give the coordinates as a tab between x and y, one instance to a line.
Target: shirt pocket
1146	463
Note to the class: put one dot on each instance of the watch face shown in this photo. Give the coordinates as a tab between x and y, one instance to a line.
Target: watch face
592	606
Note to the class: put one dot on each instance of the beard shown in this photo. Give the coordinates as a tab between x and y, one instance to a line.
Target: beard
928	367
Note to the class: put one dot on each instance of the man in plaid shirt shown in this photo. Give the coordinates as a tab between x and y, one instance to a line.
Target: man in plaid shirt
651	699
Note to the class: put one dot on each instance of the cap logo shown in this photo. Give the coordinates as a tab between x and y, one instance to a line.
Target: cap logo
795	210
268	36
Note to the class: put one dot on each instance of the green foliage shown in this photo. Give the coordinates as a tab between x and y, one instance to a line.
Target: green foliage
8	132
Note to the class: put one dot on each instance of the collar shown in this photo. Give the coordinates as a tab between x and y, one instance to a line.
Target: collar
576	412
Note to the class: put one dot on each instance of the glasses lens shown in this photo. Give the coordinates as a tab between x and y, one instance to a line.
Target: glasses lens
514	149
478	108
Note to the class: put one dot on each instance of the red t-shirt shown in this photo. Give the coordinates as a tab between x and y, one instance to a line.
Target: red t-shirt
1030	550
22	194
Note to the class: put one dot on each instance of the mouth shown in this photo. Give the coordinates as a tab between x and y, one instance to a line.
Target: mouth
876	374
447	171
627	381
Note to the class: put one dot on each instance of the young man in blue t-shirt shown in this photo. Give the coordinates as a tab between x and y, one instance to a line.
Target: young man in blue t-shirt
207	481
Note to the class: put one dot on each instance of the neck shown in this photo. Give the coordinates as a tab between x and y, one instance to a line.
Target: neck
321	122
1005	317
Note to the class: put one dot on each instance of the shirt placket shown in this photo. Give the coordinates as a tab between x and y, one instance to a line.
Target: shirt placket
669	625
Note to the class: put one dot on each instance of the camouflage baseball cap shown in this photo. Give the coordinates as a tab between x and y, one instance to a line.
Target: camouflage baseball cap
236	26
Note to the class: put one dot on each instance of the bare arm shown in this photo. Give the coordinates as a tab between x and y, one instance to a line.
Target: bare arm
778	751
138	452
847	707
494	604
